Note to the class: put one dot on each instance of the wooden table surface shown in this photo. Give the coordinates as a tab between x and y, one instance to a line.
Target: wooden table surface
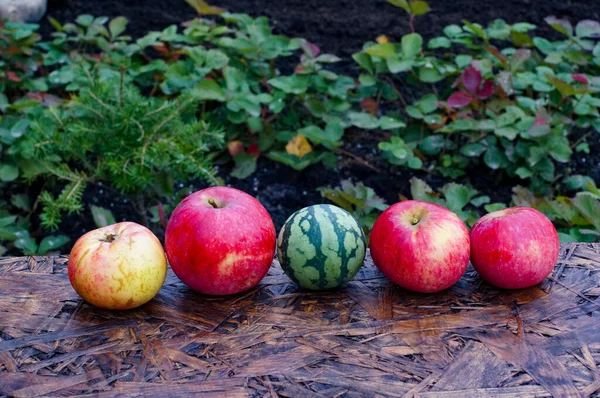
367	339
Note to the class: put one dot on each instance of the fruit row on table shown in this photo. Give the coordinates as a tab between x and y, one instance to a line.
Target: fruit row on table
222	241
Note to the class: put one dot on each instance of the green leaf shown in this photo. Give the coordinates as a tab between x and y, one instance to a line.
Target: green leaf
419	190
560	150
401	3
21	201
589	206
523	27
507	132
430	74
577	181
480	200
396	147
432	145
8	172
363	120
396	65
6	221
364	61
102	217
499	29
117	26
524	172
456	195
367	80
414	112
85	20
50	243
560	25
55	24
428	103
411	45
334	131
419	7
26	243
562	86
245	165
494	158
494	207
475	28
587	28
544	45
414	163
294	84
539	130
390	123
462	61
453	31
208	90
473	150
381	50
439	42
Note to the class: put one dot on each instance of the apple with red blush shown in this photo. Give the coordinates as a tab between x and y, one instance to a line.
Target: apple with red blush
220	241
420	246
514	248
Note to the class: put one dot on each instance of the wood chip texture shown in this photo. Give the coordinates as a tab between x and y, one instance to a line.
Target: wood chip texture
368	338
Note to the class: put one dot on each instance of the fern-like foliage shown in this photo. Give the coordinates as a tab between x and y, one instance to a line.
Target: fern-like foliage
112	133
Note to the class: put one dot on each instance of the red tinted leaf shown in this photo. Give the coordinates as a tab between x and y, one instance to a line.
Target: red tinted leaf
487	90
161	48
310	48
300	69
471	79
496	53
369	105
460	99
12	76
581	78
235	147
253	150
542	116
519	58
38	96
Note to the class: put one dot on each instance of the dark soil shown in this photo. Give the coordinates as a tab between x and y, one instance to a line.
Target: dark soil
340	27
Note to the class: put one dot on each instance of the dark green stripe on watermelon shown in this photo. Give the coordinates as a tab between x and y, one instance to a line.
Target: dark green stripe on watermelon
321	247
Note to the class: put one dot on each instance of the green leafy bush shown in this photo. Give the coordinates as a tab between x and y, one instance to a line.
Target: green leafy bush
138	145
494	95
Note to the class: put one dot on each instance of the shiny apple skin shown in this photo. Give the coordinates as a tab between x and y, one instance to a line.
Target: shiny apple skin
427	257
220	251
514	248
121	274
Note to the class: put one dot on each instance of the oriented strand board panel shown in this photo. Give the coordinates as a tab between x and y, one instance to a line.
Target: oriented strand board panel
368	338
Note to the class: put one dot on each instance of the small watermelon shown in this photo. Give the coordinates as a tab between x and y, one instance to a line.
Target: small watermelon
321	247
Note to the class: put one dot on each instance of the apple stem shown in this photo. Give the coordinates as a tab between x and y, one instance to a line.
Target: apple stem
110	238
212	202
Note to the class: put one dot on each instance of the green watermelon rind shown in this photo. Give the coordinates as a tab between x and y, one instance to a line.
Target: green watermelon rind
313	262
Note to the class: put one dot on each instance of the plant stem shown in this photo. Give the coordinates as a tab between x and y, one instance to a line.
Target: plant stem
358	159
583	137
398	93
141	209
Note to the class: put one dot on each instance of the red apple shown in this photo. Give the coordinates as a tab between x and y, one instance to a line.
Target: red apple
220	241
420	246
514	248
120	266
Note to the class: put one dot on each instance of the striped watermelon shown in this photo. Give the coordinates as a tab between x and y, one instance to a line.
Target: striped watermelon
321	247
